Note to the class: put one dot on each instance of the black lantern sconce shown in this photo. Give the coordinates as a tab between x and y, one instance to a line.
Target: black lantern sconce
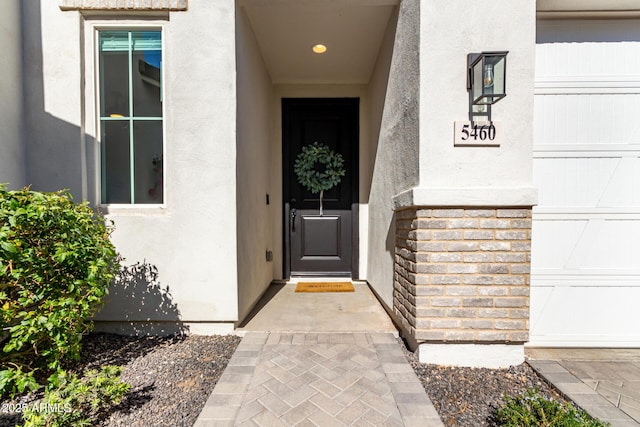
486	77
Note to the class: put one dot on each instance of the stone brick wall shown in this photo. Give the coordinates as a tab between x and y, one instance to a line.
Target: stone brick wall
462	274
123	4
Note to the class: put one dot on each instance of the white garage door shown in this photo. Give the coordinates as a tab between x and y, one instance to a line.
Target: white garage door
585	276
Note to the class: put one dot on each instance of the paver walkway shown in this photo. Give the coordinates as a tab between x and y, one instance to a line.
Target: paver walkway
606	389
322	379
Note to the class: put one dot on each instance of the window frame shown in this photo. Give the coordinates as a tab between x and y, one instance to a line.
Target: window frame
94	115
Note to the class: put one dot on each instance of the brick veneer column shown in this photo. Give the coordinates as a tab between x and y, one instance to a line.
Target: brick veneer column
462	275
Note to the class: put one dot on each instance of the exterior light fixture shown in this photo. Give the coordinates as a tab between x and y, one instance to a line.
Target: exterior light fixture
486	76
319	48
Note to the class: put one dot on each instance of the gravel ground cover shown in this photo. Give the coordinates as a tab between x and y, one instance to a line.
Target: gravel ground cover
171	379
468	397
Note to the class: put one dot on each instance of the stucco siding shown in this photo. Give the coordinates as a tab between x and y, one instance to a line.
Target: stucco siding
12	166
52	98
180	257
395	165
255	120
498	26
193	240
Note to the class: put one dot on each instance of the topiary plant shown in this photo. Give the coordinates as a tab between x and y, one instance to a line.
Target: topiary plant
319	169
56	264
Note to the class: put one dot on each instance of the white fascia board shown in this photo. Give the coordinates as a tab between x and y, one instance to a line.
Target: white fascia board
576	9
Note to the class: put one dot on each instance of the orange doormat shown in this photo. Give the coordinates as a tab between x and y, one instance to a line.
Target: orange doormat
325	287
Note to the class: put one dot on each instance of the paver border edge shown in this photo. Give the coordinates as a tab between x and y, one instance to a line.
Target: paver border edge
225	399
581	394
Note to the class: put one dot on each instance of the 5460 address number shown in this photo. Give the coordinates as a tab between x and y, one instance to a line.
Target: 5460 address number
486	134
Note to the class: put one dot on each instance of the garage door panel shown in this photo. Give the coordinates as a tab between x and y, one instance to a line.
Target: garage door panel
579	316
585	271
587	47
579	119
553	242
582	182
606	246
588	182
587	58
623	189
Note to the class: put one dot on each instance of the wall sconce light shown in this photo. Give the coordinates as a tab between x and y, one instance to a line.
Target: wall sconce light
486	76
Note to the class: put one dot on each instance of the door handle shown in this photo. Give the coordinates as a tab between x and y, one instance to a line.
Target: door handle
292	214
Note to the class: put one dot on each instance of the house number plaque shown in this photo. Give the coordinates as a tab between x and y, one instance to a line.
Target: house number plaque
477	134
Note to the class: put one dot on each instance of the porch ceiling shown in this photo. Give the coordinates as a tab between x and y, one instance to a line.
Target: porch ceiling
352	30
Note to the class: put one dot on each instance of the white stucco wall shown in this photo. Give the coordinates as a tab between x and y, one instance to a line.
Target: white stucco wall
215	210
255	127
52	109
12	166
394	94
187	246
484	175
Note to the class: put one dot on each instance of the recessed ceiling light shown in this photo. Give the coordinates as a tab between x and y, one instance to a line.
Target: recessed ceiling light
319	48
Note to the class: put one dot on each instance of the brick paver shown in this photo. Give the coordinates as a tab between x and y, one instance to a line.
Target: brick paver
318	379
607	390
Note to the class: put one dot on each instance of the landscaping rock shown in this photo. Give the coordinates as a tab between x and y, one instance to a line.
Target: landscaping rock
172	377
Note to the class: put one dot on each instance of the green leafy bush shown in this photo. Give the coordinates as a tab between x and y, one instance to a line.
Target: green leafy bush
70	401
531	409
56	264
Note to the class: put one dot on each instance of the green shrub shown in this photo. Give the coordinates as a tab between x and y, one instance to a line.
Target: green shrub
70	401
56	264
531	409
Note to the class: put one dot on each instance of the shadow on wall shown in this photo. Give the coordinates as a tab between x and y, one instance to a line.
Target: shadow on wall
390	242
58	153
141	305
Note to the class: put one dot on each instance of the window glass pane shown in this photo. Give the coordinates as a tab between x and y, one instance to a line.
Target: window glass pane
147	57
115	86
114	41
131	116
147	41
115	162
498	71
477	81
147	136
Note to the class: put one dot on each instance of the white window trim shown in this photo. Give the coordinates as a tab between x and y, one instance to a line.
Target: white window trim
92	123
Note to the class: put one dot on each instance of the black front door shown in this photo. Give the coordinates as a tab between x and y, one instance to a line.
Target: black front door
320	245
